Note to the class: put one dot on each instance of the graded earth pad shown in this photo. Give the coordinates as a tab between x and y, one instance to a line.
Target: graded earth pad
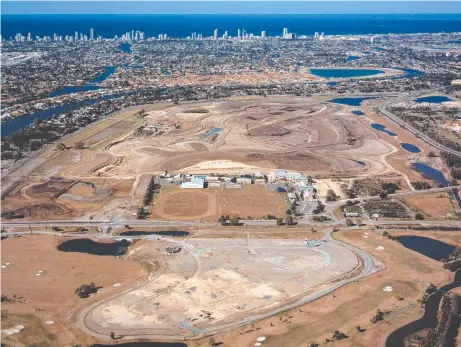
212	285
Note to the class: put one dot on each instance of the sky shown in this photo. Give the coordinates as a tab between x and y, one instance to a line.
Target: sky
230	7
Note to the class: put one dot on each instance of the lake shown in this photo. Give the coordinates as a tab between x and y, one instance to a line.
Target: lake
435	99
382	128
431	248
92	247
350	101
431	173
212	131
410	148
358	113
345	73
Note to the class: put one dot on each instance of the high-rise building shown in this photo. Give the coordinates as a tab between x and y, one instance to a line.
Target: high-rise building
285	32
238	34
215	34
76	36
29	37
263	34
91	34
316	35
226	35
55	37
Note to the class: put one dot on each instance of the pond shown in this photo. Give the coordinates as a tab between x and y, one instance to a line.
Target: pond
332	84
351	58
410	148
144	344
429	319
431	248
358	113
212	131
435	99
92	247
345	73
382	128
431	173
173	233
350	101
125	47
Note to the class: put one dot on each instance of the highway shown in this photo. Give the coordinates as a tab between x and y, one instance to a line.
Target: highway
416	132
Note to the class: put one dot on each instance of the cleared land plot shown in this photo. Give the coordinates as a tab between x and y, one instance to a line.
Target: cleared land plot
221	281
407	272
386	209
209	203
433	205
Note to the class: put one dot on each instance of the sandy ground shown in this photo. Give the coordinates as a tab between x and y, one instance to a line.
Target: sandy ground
232	279
438	205
50	296
406	271
255	201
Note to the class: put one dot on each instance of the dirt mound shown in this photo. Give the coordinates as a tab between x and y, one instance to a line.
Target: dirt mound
268	130
41	210
293	161
51	188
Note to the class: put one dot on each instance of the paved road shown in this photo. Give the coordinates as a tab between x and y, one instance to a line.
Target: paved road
410	128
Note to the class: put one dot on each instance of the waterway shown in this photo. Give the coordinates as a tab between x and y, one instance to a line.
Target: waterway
431	248
92	247
410	148
344	73
382	128
350	101
73	89
352	58
428	321
18	123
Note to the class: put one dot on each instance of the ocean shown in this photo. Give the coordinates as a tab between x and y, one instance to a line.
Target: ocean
183	25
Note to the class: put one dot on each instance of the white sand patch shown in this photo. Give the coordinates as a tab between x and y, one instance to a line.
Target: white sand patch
263	290
220	165
380	248
261	339
387	289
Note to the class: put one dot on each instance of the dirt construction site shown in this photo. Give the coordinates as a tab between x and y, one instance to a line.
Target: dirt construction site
106	177
206	286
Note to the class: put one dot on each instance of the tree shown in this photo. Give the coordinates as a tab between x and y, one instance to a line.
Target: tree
212	341
358	222
349	222
288	212
60	146
85	290
383	194
235	221
222	220
279	221
289	221
419	216
431	154
112	335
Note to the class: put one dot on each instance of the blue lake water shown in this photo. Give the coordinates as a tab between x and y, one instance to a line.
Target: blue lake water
382	128
358	113
350	101
435	99
410	148
345	73
351	58
431	248
431	173
212	131
332	84
125	47
456	42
